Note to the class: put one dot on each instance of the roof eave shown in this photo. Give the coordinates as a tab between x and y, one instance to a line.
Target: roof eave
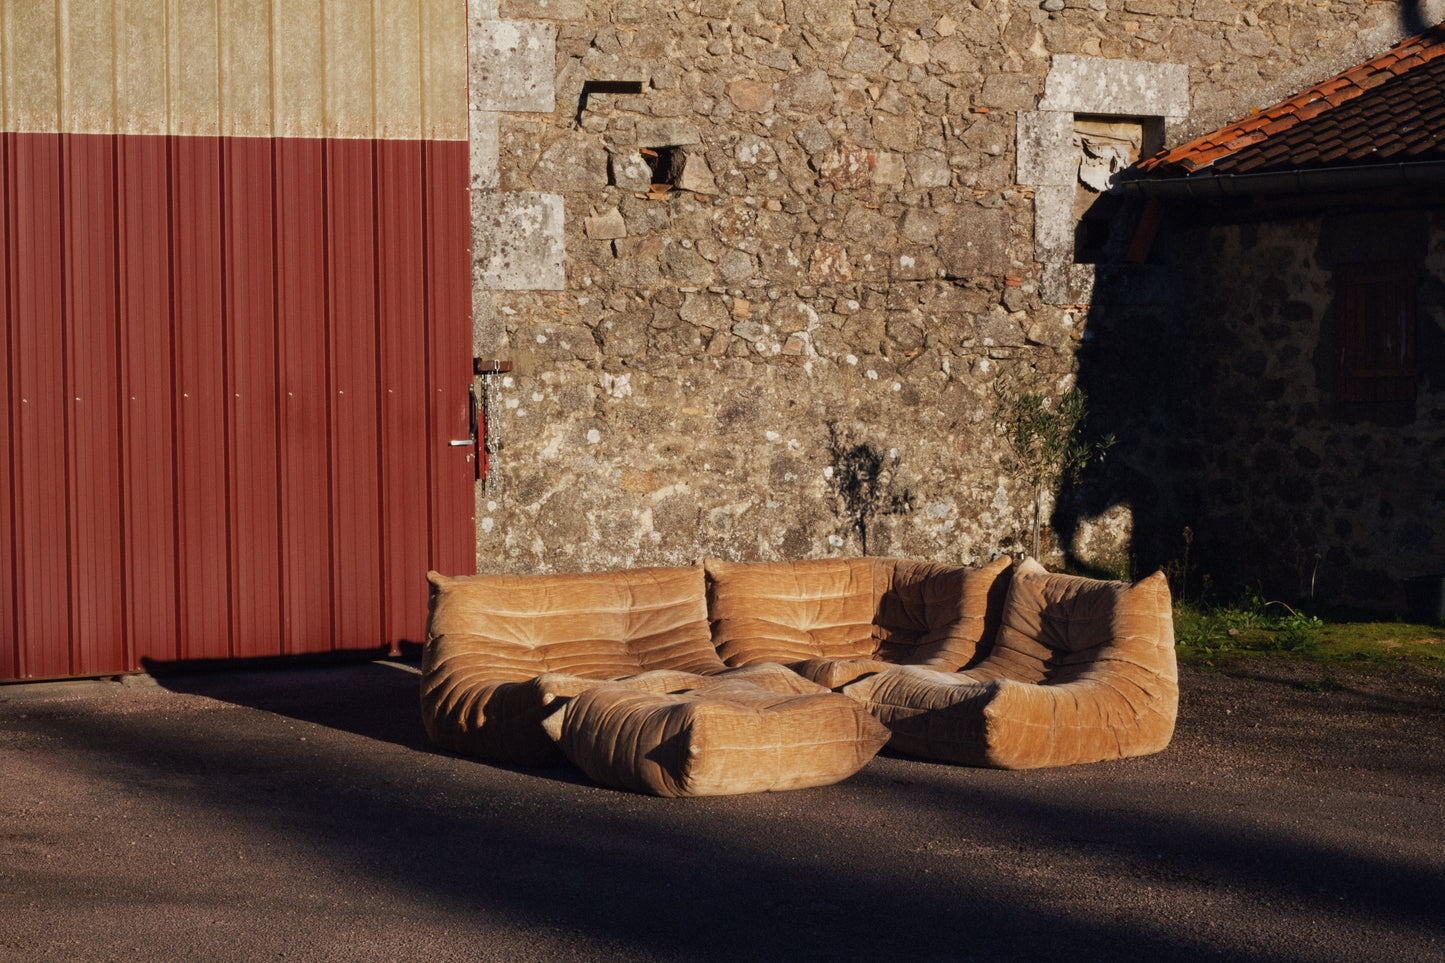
1302	181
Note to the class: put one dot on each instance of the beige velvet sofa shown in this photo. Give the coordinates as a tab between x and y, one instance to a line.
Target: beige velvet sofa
720	677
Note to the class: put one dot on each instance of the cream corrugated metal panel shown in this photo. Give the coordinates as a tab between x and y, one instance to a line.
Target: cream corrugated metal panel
236	68
140	68
444	60
398	96
246	80
297	94
347	47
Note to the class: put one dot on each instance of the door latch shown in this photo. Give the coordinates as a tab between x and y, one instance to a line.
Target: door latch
473	422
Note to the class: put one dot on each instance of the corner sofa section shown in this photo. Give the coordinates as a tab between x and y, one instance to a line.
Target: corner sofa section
1080	671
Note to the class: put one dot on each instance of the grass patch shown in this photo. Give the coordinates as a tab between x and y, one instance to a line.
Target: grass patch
1257	627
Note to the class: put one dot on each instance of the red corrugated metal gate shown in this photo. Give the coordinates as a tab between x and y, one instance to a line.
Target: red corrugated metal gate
233	367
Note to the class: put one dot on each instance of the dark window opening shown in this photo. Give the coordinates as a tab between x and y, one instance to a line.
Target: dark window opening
666	164
611	87
1375	304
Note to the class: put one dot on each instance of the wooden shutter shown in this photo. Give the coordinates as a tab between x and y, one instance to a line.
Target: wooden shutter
1377	332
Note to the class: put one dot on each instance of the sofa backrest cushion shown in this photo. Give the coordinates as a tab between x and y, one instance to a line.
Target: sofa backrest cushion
850	608
937	615
791	611
600	625
1059	628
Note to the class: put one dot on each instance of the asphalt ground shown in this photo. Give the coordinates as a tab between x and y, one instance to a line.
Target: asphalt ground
301	814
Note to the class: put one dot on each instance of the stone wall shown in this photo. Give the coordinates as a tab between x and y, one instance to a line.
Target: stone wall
797	348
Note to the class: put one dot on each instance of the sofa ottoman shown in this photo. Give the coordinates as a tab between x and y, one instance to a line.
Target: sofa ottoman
720	738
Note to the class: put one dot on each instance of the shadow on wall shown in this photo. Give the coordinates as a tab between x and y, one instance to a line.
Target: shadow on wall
1274	372
1215	366
1140	369
861	480
1412	16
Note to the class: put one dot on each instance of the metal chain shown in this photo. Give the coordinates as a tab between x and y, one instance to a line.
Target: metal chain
491	408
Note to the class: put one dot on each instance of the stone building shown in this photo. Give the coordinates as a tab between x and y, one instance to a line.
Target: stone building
1301	319
764	269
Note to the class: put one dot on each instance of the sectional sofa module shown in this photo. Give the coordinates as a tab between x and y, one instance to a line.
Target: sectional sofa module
737	677
836	619
1079	671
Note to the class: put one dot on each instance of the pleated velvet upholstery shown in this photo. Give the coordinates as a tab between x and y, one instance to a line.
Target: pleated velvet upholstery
834	620
722	738
501	648
1081	671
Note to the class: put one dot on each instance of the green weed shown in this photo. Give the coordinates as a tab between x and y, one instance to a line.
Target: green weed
1253	625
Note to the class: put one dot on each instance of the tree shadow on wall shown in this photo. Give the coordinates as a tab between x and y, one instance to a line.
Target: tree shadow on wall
862	482
1213	362
1140	368
1178	363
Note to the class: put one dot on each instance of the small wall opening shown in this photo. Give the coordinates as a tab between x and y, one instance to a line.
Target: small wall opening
611	87
667	164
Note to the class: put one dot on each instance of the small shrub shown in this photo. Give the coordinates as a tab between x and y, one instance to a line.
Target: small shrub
1045	436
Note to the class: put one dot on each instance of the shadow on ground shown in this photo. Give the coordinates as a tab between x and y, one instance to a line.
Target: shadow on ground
1178	856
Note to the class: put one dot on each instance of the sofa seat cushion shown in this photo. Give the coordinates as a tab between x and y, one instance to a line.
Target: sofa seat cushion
725	737
822	616
1082	671
836	673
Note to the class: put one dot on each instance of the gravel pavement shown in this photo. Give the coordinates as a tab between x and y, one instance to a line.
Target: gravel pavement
300	814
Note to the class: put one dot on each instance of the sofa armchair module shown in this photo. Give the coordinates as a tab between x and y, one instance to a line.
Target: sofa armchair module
1081	671
501	649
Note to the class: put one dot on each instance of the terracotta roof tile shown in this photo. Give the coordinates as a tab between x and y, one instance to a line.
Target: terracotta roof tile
1244	140
1394	101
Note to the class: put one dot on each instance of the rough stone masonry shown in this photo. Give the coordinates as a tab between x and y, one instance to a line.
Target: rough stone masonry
765	268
